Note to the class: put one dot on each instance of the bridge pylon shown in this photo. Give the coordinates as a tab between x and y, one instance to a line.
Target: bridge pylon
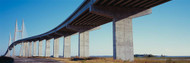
18	34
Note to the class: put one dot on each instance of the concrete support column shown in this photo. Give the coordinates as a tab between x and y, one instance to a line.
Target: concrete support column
8	53
24	49
13	53
123	39
27	49
40	48
34	49
21	49
30	49
47	49
83	44
56	47
67	47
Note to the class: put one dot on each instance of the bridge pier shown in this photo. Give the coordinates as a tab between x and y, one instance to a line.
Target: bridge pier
13	51
26	49
123	39
67	47
8	53
40	48
23	51
83	44
47	49
30	49
56	47
122	28
34	48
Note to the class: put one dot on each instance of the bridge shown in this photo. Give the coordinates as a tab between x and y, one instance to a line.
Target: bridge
89	16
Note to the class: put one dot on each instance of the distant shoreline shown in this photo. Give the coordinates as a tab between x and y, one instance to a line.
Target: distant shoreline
107	56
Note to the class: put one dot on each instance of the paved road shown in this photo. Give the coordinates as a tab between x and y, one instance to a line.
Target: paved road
34	60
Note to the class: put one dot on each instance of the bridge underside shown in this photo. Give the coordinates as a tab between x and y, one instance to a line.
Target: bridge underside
101	12
94	13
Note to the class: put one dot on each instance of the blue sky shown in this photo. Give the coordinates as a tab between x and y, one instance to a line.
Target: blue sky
165	31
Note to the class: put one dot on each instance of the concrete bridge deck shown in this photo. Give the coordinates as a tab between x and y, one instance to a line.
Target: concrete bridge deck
92	14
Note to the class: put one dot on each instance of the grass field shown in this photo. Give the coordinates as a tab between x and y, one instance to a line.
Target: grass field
110	60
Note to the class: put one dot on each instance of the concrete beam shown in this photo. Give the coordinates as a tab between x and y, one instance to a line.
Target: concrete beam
47	49
143	13
67	47
83	44
79	28
123	39
96	28
119	12
34	48
40	48
56	47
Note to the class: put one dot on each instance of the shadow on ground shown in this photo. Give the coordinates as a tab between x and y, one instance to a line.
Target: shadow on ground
80	59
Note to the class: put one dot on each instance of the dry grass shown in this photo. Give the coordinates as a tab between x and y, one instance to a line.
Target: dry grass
88	60
110	60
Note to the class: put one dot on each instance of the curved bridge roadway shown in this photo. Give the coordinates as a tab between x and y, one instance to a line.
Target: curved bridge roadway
93	13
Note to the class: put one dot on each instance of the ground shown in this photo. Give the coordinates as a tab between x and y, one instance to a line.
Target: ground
99	60
34	60
110	60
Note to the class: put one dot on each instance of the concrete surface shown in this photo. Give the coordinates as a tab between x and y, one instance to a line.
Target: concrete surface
34	48
123	39
67	47
47	49
56	47
23	52
30	49
40	48
21	49
84	44
26	49
13	51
